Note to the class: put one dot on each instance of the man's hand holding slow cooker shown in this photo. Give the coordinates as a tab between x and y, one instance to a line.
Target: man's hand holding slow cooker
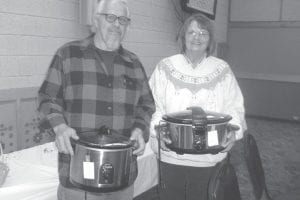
62	140
137	135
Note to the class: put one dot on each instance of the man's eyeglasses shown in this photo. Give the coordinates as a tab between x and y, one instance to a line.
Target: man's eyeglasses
111	18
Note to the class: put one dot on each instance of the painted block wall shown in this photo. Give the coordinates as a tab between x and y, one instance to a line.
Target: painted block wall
30	33
32	30
153	29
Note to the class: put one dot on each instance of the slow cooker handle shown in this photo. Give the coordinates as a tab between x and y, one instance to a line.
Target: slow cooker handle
198	116
232	127
134	144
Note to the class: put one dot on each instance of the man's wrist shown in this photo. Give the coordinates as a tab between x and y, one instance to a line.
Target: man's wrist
59	127
137	131
55	119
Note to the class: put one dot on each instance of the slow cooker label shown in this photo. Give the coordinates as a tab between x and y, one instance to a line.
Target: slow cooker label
88	170
212	138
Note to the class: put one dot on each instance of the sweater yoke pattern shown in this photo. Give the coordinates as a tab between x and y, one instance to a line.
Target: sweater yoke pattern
194	83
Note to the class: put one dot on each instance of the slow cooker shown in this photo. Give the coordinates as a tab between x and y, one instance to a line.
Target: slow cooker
101	160
195	131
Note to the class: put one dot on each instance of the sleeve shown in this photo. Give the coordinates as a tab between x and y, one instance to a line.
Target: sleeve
234	104
144	108
50	94
158	83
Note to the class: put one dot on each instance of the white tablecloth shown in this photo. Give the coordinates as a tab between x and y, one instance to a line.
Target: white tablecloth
33	173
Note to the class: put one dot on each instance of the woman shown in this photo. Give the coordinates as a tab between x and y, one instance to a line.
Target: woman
193	78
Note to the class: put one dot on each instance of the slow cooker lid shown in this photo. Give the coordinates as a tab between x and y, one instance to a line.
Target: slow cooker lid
104	138
189	117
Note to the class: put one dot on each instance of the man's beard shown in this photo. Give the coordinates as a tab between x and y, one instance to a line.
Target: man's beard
112	42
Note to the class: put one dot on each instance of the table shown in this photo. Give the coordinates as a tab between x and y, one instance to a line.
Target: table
33	173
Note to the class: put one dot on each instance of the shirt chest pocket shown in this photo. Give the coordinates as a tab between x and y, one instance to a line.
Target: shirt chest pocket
127	89
129	83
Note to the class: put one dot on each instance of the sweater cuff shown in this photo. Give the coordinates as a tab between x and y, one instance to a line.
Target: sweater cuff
56	119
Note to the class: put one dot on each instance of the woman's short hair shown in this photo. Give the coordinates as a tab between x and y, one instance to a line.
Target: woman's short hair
204	23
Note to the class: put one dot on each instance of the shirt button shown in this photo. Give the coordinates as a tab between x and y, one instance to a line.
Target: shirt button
109	107
109	85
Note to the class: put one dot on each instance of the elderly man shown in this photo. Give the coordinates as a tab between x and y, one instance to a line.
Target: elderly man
96	82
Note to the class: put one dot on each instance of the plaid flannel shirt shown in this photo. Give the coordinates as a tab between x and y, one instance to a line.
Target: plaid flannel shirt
80	92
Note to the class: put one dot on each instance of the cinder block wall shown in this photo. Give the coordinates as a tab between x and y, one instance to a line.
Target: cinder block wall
30	33
153	30
32	30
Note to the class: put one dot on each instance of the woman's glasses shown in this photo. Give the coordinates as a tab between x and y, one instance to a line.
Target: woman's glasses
111	18
202	33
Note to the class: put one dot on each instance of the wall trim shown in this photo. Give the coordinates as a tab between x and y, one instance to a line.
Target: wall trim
270	118
269	77
16	93
265	24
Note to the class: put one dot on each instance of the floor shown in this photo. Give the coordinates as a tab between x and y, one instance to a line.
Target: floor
279	146
151	194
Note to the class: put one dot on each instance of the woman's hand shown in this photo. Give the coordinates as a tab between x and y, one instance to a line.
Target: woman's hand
164	140
162	137
229	141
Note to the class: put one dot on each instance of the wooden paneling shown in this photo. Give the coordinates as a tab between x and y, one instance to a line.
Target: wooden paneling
8	125
29	132
255	10
263	51
272	99
290	10
19	120
269	52
265	10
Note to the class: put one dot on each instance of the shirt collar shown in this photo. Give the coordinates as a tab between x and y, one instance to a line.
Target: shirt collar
88	44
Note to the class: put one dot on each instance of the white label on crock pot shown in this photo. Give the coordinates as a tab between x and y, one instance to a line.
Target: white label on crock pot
88	170
212	138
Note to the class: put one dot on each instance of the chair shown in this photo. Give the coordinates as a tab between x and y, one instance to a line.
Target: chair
255	168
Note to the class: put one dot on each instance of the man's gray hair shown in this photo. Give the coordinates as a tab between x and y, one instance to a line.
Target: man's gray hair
102	3
100	7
